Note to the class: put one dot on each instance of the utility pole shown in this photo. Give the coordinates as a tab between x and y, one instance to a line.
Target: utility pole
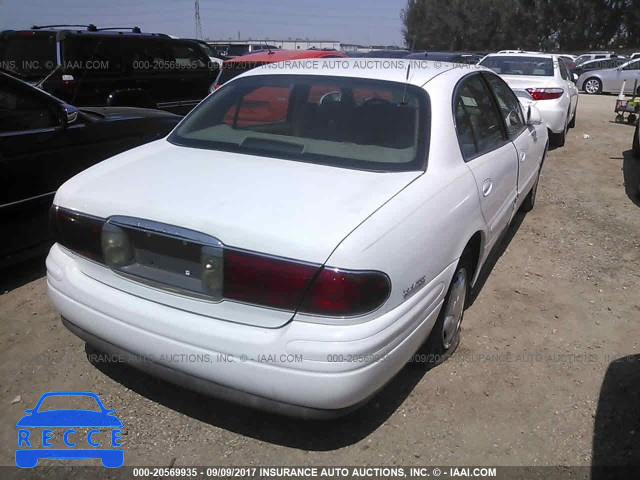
199	35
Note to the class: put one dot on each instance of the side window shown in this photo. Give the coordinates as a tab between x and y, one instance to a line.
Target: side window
564	72
20	111
509	105
633	66
88	56
188	56
476	118
148	54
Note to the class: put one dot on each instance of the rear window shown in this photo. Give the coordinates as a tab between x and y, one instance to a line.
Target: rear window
31	55
519	65
345	122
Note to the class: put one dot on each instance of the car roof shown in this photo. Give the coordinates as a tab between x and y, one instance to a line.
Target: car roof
524	54
75	31
283	55
600	60
394	70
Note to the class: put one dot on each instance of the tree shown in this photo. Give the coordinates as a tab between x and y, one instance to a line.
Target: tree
526	24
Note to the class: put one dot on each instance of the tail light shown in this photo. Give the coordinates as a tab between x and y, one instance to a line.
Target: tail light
545	93
246	277
264	280
78	232
341	293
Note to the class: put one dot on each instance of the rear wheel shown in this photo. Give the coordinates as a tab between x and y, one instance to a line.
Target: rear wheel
445	335
559	139
530	200
593	86
572	123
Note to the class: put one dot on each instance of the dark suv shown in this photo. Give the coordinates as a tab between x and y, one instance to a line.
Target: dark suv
96	66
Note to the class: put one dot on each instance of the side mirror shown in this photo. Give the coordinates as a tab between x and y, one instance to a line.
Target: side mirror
575	77
68	114
534	117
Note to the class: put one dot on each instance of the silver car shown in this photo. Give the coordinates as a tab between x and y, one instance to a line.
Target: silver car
611	79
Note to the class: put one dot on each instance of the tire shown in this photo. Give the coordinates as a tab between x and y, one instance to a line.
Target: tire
558	140
530	200
572	123
592	86
445	335
636	143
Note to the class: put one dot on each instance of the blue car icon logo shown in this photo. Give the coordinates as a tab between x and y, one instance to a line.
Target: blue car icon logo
33	446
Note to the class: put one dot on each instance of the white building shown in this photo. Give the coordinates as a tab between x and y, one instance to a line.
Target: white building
289	44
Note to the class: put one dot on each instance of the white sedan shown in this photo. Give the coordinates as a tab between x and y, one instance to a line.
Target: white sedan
544	80
301	233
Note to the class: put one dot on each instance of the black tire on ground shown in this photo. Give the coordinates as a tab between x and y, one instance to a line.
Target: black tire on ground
636	142
592	86
530	200
558	139
572	123
440	345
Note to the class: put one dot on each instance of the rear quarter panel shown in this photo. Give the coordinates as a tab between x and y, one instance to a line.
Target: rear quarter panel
424	228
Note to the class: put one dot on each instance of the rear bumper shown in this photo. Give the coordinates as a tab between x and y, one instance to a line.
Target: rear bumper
554	115
300	369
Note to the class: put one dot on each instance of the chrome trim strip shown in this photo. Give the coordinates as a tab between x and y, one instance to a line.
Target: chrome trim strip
165	229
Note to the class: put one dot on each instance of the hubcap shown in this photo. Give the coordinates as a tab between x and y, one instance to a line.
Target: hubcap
592	86
454	309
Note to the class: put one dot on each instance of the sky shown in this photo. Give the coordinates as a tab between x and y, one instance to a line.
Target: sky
364	22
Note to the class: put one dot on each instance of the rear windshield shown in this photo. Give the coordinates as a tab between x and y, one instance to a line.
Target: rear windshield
519	65
233	69
345	122
30	55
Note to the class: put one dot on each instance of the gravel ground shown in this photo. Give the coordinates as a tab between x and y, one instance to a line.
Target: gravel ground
547	373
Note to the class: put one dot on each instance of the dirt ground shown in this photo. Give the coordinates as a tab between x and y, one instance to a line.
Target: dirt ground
547	373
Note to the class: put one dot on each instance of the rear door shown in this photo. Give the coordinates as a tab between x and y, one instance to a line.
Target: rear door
490	156
529	147
570	86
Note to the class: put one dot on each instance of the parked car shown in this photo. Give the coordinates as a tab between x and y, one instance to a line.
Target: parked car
634	56
320	250
543	80
110	68
235	66
237	50
611	79
44	142
586	57
451	57
601	64
386	54
569	61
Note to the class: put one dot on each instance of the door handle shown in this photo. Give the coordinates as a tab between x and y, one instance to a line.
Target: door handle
487	186
523	155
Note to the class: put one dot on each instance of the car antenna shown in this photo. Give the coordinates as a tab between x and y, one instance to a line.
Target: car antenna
404	95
